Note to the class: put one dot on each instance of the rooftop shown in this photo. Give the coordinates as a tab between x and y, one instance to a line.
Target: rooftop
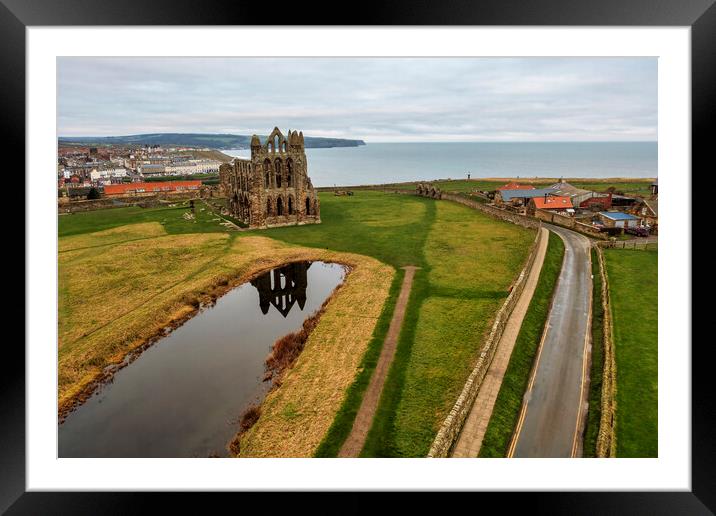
536	192
618	215
553	202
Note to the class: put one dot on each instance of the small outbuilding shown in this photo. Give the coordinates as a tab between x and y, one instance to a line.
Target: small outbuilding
617	219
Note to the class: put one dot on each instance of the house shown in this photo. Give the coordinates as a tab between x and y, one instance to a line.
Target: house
520	197
648	210
553	203
617	219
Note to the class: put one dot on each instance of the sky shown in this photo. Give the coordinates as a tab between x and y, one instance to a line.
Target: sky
374	99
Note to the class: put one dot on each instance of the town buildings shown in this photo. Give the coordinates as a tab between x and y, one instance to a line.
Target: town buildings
153	188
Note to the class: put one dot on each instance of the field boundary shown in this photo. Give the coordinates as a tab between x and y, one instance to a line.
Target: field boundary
633	245
606	438
451	427
520	220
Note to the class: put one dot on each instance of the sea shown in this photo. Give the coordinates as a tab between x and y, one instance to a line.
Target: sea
381	163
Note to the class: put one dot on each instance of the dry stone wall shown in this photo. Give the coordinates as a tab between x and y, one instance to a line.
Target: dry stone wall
606	438
497	213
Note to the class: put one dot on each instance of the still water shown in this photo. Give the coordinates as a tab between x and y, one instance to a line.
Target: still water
183	396
377	163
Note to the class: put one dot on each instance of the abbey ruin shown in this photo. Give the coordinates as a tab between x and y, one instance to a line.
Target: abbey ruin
272	188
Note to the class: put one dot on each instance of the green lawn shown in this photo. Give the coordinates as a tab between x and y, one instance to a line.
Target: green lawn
509	399
597	369
172	218
634	297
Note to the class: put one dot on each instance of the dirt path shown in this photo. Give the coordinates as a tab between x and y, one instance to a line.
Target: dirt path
470	439
356	439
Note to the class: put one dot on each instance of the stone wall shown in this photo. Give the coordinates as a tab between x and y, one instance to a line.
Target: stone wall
515	218
570	223
606	438
450	429
122	202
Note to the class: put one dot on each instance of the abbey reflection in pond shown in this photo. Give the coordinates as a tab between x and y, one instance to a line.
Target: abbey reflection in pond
283	287
272	188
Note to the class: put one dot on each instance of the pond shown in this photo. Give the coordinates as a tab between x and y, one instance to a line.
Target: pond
184	395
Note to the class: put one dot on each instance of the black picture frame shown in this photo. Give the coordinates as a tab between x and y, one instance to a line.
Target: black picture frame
700	15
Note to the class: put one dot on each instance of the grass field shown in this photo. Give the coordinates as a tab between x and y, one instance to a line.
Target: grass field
633	187
127	272
634	297
509	399
171	218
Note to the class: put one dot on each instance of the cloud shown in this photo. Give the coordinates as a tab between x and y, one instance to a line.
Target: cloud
377	99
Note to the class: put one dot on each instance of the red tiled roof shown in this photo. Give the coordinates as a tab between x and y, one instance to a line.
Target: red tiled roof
516	186
155	186
553	202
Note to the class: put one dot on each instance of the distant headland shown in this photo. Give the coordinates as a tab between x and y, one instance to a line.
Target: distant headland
213	141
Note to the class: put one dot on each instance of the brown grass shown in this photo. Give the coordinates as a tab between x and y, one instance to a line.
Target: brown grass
286	349
248	419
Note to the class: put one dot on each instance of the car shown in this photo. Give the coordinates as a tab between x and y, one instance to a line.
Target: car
638	231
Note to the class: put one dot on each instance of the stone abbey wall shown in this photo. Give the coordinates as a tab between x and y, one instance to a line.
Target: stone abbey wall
272	188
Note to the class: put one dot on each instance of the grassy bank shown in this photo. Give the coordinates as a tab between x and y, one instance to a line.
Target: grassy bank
634	297
509	399
341	427
596	372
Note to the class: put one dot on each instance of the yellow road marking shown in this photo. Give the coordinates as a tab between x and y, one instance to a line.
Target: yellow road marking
523	411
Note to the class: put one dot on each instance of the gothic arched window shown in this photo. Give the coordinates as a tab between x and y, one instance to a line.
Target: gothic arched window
289	172
277	168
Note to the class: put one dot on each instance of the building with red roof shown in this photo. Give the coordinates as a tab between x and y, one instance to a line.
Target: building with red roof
151	188
551	203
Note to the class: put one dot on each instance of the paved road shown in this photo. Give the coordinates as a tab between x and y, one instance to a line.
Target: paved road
552	417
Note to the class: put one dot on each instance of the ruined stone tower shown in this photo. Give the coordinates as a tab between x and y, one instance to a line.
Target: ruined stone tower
272	188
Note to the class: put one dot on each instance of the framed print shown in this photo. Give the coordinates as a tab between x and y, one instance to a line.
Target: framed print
420	253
